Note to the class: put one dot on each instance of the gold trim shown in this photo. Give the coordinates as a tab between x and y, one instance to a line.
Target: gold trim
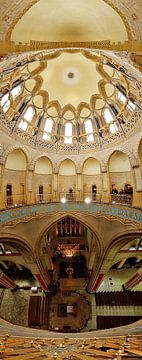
11	47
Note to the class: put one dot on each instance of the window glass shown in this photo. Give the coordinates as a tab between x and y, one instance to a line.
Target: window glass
16	91
121	97
29	114
48	125
68	133
23	125
113	128
5	102
108	116
89	130
47	129
46	136
88	126
131	106
90	138
6	106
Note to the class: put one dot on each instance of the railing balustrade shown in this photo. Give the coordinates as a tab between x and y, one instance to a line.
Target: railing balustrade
41	198
20	199
122	199
15	199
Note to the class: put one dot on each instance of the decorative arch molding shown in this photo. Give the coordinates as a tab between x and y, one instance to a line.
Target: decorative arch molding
20	243
82	218
121	240
82	162
17	147
64	159
39	156
114	247
119	258
139	141
118	149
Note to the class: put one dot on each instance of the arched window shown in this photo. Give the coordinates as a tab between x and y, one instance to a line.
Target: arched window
108	116
89	130
113	128
47	129
68	133
16	91
131	106
5	102
28	116
121	97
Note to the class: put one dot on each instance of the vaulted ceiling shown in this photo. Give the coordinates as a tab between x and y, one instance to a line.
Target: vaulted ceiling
93	19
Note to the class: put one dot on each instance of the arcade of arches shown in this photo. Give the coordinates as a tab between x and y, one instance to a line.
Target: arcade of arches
71	167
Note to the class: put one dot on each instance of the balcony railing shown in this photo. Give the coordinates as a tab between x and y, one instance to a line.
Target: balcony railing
43	198
15	199
122	199
20	199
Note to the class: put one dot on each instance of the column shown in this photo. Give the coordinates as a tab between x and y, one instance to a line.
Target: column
137	196
55	184
105	196
6	281
134	280
79	185
2	190
30	190
41	275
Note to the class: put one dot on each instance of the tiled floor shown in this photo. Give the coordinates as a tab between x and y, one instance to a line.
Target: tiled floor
69	319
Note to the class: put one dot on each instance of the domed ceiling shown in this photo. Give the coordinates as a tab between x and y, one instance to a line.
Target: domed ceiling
60	20
68	100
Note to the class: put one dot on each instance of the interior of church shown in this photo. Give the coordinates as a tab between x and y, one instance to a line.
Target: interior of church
71	179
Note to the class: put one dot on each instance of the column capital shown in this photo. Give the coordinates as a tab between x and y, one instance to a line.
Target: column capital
103	167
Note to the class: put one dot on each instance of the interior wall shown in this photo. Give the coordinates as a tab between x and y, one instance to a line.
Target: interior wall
120	171
16	160
67	167
43	166
15	175
91	167
45	181
67	176
89	180
91	175
67	182
18	181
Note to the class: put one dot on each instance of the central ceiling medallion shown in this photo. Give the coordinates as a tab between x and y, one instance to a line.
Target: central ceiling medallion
70	75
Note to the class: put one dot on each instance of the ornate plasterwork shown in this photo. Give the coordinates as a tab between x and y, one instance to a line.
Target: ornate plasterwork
111	212
128	78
